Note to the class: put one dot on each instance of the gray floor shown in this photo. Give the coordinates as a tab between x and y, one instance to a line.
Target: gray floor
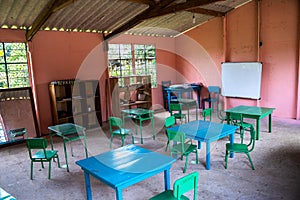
276	158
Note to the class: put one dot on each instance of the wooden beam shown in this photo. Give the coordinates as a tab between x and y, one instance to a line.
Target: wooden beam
139	18
147	2
45	14
162	8
207	12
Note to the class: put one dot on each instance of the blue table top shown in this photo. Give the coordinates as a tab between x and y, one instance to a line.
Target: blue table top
205	130
125	165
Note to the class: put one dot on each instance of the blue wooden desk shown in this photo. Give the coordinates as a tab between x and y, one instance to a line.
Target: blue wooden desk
125	166
68	132
184	88
205	131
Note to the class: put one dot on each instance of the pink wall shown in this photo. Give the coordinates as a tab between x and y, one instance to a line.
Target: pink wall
279	52
55	56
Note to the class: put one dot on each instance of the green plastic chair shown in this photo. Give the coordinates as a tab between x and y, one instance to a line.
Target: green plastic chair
176	111
181	146
41	154
236	119
116	129
207	113
169	122
181	186
241	148
221	113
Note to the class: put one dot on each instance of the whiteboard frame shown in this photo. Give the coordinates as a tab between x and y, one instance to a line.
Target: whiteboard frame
241	79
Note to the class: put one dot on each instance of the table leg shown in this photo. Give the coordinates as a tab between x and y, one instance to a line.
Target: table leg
141	125
87	186
51	141
169	99
85	147
270	123
231	138
167	179
118	193
153	131
66	156
257	129
208	155
188	110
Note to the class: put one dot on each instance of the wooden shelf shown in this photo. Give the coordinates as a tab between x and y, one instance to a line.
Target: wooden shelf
135	92
76	102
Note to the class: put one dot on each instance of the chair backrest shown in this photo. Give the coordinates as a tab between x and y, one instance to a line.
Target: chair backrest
166	83
220	112
214	91
36	143
253	138
175	107
176	137
115	122
207	113
169	121
185	184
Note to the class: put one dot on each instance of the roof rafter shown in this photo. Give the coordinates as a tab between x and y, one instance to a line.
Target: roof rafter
206	12
162	8
52	7
148	2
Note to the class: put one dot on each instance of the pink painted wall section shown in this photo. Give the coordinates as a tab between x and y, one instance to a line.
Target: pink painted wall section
7	35
280	29
200	53
279	52
55	56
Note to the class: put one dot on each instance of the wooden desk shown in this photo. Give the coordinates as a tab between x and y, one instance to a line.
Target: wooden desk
184	88
253	112
141	115
208	132
68	132
125	166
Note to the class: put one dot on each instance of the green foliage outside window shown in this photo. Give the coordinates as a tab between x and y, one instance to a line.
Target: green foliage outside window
127	60
13	65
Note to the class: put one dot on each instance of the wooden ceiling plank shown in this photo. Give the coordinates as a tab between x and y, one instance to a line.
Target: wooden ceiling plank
160	9
139	18
147	2
207	12
45	14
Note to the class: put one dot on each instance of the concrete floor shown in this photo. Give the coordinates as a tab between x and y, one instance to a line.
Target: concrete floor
276	176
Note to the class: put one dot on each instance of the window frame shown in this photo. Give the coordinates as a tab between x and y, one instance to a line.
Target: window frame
132	64
10	69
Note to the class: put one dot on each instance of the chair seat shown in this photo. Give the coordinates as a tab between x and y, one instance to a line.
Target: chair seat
243	148
179	116
122	131
187	147
167	195
49	154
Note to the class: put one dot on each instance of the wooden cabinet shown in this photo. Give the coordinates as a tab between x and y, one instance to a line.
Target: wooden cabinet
130	91
76	102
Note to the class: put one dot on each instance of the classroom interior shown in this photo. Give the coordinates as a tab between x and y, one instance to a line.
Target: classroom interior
265	31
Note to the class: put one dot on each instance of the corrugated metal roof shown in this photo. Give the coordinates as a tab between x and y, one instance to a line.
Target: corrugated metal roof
106	16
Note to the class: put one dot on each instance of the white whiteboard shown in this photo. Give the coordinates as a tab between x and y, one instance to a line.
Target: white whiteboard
241	79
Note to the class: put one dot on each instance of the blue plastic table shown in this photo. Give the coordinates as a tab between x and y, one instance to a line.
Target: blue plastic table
125	166
253	112
205	131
